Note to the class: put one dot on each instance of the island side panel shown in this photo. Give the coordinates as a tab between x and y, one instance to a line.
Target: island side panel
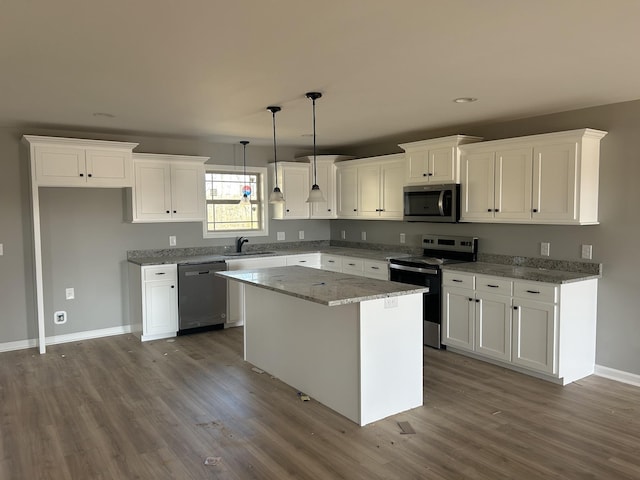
391	353
311	347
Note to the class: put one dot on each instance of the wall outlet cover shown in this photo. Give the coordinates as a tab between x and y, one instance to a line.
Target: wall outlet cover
403	238
70	293
172	240
343	234
587	252
300	234
363	236
280	236
545	248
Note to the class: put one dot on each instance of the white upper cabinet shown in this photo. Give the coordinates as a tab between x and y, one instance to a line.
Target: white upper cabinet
435	161
168	188
371	188
295	179
70	162
547	179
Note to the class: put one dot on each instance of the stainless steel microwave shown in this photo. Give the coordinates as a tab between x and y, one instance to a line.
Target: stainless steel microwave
432	203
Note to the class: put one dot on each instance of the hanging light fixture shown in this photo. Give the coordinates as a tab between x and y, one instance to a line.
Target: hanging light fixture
246	190
276	196
315	195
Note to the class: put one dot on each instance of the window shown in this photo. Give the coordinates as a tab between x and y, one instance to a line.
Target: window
224	187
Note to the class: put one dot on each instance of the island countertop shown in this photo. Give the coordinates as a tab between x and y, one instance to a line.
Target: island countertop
320	286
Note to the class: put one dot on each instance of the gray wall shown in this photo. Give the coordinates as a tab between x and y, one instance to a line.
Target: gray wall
86	239
614	241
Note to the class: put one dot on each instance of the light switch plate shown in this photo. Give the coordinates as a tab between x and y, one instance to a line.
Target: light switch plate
343	234
587	252
364	236
70	293
280	236
403	238
1	249
300	234
172	240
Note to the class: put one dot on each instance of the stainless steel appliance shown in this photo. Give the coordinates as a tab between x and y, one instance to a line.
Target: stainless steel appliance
426	271
432	203
202	297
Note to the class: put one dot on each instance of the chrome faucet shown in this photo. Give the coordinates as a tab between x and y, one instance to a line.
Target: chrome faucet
239	242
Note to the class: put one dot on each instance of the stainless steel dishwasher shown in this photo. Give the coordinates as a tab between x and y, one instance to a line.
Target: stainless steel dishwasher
202	297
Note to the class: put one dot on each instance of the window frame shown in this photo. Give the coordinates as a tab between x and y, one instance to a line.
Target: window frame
264	196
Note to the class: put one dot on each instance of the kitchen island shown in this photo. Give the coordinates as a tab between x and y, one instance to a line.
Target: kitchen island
352	343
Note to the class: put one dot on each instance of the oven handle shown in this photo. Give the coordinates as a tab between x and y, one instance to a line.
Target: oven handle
405	268
441	203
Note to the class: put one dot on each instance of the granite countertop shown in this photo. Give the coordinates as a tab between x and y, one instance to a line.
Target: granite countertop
320	286
521	272
381	255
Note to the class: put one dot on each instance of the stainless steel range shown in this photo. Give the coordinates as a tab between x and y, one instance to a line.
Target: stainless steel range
426	271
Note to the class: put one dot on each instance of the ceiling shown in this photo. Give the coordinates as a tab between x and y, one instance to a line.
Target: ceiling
209	68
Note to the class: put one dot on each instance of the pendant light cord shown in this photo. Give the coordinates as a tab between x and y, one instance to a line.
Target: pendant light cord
275	158
315	175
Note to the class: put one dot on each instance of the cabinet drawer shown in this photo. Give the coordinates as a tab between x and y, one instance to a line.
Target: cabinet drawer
457	279
497	285
352	265
542	292
332	263
376	269
305	260
161	272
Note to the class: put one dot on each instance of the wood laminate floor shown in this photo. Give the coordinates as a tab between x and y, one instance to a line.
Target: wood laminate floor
115	408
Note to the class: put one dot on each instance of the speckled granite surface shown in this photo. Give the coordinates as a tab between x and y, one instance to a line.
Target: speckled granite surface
320	286
216	254
521	273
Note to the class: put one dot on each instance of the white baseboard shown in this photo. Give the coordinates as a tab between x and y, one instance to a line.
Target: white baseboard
69	337
618	375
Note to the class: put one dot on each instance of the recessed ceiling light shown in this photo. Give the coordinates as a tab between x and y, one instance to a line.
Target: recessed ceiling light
103	114
465	99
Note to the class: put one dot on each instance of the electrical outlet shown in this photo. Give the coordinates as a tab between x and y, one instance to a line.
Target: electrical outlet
300	234
343	234
1	249
70	293
172	240
280	236
403	238
587	252
544	249
363	236
60	317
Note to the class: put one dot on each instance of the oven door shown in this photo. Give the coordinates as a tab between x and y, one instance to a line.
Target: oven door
431	303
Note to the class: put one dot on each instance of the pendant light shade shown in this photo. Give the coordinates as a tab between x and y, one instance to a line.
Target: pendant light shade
276	196
315	195
245	196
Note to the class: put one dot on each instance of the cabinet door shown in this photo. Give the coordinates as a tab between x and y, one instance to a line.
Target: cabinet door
347	179
333	263
161	308
152	191
477	186
534	335
493	326
295	184
417	166
392	177
554	183
376	269
108	168
187	192
311	260
442	167
60	166
326	175
458	312
513	180
369	202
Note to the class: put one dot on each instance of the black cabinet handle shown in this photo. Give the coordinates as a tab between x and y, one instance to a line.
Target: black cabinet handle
493	286
287	209
430	174
89	175
489	210
355	210
82	174
532	291
456	280
375	268
535	210
424	174
496	209
161	273
168	211
328	209
172	286
471	299
175	211
515	308
477	300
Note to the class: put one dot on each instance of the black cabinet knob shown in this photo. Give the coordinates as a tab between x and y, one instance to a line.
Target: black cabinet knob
287	209
515	308
471	299
489	210
89	175
424	174
535	210
496	210
328	209
175	211
477	300
173	286
168	211
430	174
82	174
355	210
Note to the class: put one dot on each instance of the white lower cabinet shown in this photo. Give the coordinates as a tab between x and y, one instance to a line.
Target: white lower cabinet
154	301
311	260
545	330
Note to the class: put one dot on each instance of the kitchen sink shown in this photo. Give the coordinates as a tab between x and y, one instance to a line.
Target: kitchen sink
241	254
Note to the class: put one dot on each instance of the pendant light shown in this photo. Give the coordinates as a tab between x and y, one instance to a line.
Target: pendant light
315	195
276	196
245	195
